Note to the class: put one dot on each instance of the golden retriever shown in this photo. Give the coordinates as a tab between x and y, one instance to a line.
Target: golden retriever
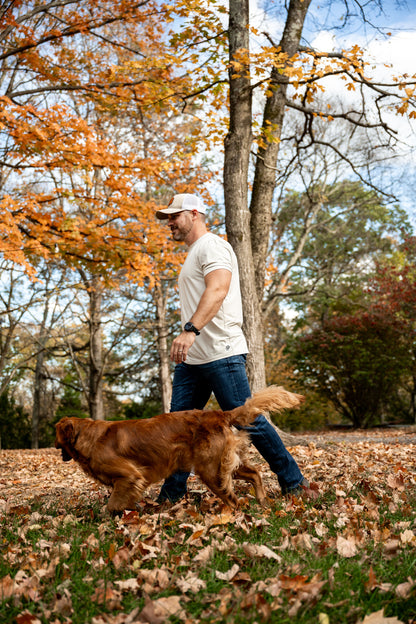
130	455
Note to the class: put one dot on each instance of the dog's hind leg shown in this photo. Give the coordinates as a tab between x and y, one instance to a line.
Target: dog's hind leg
220	487
217	472
251	475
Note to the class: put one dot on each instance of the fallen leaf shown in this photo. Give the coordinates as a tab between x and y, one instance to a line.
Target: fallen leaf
27	618
155	580
408	537
7	587
227	576
191	582
165	607
260	550
346	547
378	618
405	589
204	554
371	583
130	584
224	518
108	596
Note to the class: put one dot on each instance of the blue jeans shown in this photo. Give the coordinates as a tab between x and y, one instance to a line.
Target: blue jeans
227	379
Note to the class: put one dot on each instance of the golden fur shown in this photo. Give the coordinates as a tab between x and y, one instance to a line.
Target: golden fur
130	455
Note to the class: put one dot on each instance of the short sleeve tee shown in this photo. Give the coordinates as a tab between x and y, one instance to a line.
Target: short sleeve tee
223	335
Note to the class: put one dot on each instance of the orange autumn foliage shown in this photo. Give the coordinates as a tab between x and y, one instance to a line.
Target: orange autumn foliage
90	144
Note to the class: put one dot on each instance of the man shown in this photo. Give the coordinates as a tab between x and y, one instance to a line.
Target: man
210	352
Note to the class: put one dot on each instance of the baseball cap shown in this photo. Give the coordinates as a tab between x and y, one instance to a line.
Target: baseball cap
179	203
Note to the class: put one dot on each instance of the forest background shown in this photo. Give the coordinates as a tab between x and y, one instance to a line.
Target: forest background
287	119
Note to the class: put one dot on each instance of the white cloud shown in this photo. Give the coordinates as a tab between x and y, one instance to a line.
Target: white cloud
325	42
397	50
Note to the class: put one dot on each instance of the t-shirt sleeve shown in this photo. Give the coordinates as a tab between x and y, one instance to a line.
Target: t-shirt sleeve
215	255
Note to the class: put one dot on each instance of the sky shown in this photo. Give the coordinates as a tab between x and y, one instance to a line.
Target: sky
394	43
388	39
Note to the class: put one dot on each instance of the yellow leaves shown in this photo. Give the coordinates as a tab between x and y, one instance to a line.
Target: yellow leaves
406	102
86	167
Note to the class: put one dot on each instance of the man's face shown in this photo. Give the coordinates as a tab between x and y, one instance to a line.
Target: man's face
180	225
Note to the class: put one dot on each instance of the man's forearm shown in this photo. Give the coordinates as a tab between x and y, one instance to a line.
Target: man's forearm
217	285
210	303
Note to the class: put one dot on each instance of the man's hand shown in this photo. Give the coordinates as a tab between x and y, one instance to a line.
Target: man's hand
181	346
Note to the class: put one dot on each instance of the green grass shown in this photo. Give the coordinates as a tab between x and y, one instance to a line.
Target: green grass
67	553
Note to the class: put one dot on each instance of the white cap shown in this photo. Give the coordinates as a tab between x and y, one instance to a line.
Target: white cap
179	203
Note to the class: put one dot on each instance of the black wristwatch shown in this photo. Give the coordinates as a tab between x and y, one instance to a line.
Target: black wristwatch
188	327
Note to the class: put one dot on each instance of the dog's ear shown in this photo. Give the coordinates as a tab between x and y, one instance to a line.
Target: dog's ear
64	432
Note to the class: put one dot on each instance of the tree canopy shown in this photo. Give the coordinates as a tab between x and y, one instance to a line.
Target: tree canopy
107	109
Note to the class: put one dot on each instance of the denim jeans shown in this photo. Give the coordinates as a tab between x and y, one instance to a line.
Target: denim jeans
227	379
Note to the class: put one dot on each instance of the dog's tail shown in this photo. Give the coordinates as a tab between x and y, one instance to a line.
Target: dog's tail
270	399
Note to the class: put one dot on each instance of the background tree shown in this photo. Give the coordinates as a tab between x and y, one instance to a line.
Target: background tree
97	160
297	73
14	424
355	360
325	244
363	359
394	288
106	109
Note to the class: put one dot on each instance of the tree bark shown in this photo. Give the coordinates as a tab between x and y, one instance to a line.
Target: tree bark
236	165
162	331
95	395
249	230
37	387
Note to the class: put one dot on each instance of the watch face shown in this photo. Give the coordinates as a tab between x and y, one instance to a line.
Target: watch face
190	327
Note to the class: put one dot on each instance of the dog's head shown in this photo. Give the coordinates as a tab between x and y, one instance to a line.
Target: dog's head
67	430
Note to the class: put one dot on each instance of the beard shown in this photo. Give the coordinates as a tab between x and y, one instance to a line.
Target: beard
179	233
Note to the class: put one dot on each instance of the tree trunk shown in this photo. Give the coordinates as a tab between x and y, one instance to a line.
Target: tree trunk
37	386
95	395
249	231
162	331
37	394
264	182
237	217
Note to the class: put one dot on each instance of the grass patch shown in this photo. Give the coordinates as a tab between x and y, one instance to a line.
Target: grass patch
284	565
336	560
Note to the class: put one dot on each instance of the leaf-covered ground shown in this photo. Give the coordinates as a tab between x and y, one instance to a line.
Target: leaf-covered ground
346	556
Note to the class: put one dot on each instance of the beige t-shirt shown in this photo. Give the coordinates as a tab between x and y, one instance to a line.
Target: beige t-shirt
222	336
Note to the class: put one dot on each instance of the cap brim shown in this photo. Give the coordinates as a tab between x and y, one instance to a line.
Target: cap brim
164	214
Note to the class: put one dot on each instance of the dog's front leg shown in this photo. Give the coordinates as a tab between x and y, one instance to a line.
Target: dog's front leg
127	491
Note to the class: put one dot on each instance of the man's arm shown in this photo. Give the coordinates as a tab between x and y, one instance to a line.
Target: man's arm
217	284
